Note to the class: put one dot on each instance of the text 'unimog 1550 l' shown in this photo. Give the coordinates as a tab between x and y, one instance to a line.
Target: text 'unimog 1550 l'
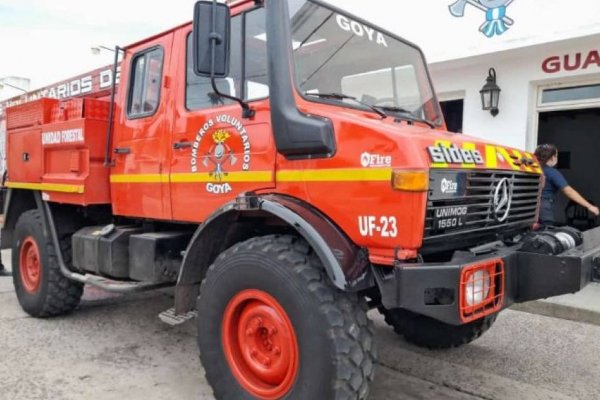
285	166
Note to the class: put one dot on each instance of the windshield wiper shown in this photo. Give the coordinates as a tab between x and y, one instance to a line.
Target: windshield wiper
406	115
340	96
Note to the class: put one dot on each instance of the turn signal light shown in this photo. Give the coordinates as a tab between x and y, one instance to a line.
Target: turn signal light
410	180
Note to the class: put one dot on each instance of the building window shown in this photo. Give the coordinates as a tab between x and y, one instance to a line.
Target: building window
453	111
576	93
145	83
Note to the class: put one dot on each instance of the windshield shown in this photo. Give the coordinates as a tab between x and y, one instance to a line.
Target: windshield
334	53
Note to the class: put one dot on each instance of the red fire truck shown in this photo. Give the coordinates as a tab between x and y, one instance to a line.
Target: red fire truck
286	167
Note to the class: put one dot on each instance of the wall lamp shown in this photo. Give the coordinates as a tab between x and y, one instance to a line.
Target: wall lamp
490	94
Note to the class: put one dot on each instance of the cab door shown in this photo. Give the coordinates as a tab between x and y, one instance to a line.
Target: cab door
216	154
139	176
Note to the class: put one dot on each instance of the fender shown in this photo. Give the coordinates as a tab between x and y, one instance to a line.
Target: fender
346	264
16	202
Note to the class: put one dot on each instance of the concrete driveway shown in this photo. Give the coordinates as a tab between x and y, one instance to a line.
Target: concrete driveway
115	347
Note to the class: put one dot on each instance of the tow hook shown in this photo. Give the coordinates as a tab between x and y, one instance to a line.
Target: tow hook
596	269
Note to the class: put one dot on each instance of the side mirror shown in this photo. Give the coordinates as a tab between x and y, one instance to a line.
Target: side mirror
211	39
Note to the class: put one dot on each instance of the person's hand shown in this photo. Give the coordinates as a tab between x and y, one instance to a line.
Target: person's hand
594	210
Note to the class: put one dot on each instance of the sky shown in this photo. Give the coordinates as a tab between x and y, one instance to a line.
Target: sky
50	40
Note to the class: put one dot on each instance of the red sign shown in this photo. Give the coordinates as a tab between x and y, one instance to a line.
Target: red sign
571	62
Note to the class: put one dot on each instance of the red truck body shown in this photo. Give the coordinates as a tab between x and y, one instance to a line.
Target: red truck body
155	180
314	179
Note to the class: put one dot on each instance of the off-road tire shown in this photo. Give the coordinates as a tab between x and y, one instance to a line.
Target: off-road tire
56	294
334	336
430	333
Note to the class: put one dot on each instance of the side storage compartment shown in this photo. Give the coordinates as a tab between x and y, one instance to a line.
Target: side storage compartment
25	159
58	147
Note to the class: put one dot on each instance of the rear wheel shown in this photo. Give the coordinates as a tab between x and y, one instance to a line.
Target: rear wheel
271	326
41	289
427	332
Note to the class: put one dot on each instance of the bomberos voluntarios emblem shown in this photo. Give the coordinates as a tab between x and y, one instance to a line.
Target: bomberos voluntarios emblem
221	146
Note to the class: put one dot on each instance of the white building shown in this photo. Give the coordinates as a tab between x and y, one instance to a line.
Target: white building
547	65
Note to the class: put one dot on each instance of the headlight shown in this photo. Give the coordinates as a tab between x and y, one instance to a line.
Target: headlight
477	287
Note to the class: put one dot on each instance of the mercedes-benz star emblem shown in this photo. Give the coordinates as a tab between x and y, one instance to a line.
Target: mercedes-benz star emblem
502	199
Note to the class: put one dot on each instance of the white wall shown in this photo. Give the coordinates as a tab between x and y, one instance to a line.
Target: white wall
519	73
444	37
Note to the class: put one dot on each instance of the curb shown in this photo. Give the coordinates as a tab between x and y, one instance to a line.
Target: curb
550	309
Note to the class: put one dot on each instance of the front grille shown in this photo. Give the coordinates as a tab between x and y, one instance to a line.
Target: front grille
478	196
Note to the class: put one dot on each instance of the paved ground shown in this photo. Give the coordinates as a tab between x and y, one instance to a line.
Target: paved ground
114	348
583	306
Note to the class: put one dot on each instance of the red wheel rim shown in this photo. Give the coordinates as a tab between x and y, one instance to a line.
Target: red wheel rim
30	265
260	344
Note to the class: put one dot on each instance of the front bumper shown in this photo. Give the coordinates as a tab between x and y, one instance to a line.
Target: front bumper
435	289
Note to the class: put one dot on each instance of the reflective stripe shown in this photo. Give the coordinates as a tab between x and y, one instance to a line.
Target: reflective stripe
536	166
491	159
508	159
50	187
311	175
236	176
335	175
469	146
441	143
139	178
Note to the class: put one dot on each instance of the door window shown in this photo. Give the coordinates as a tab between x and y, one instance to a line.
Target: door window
145	83
199	92
256	77
249	82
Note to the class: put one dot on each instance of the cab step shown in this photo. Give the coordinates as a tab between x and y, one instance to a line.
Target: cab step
170	318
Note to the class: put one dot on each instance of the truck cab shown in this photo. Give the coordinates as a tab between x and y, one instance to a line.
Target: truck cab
286	166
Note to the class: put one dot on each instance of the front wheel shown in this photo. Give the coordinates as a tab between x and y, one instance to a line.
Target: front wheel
424	331
271	326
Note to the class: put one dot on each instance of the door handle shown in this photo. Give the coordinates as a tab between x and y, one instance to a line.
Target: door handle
122	150
182	145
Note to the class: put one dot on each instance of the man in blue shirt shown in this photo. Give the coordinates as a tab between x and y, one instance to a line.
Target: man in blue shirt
547	155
